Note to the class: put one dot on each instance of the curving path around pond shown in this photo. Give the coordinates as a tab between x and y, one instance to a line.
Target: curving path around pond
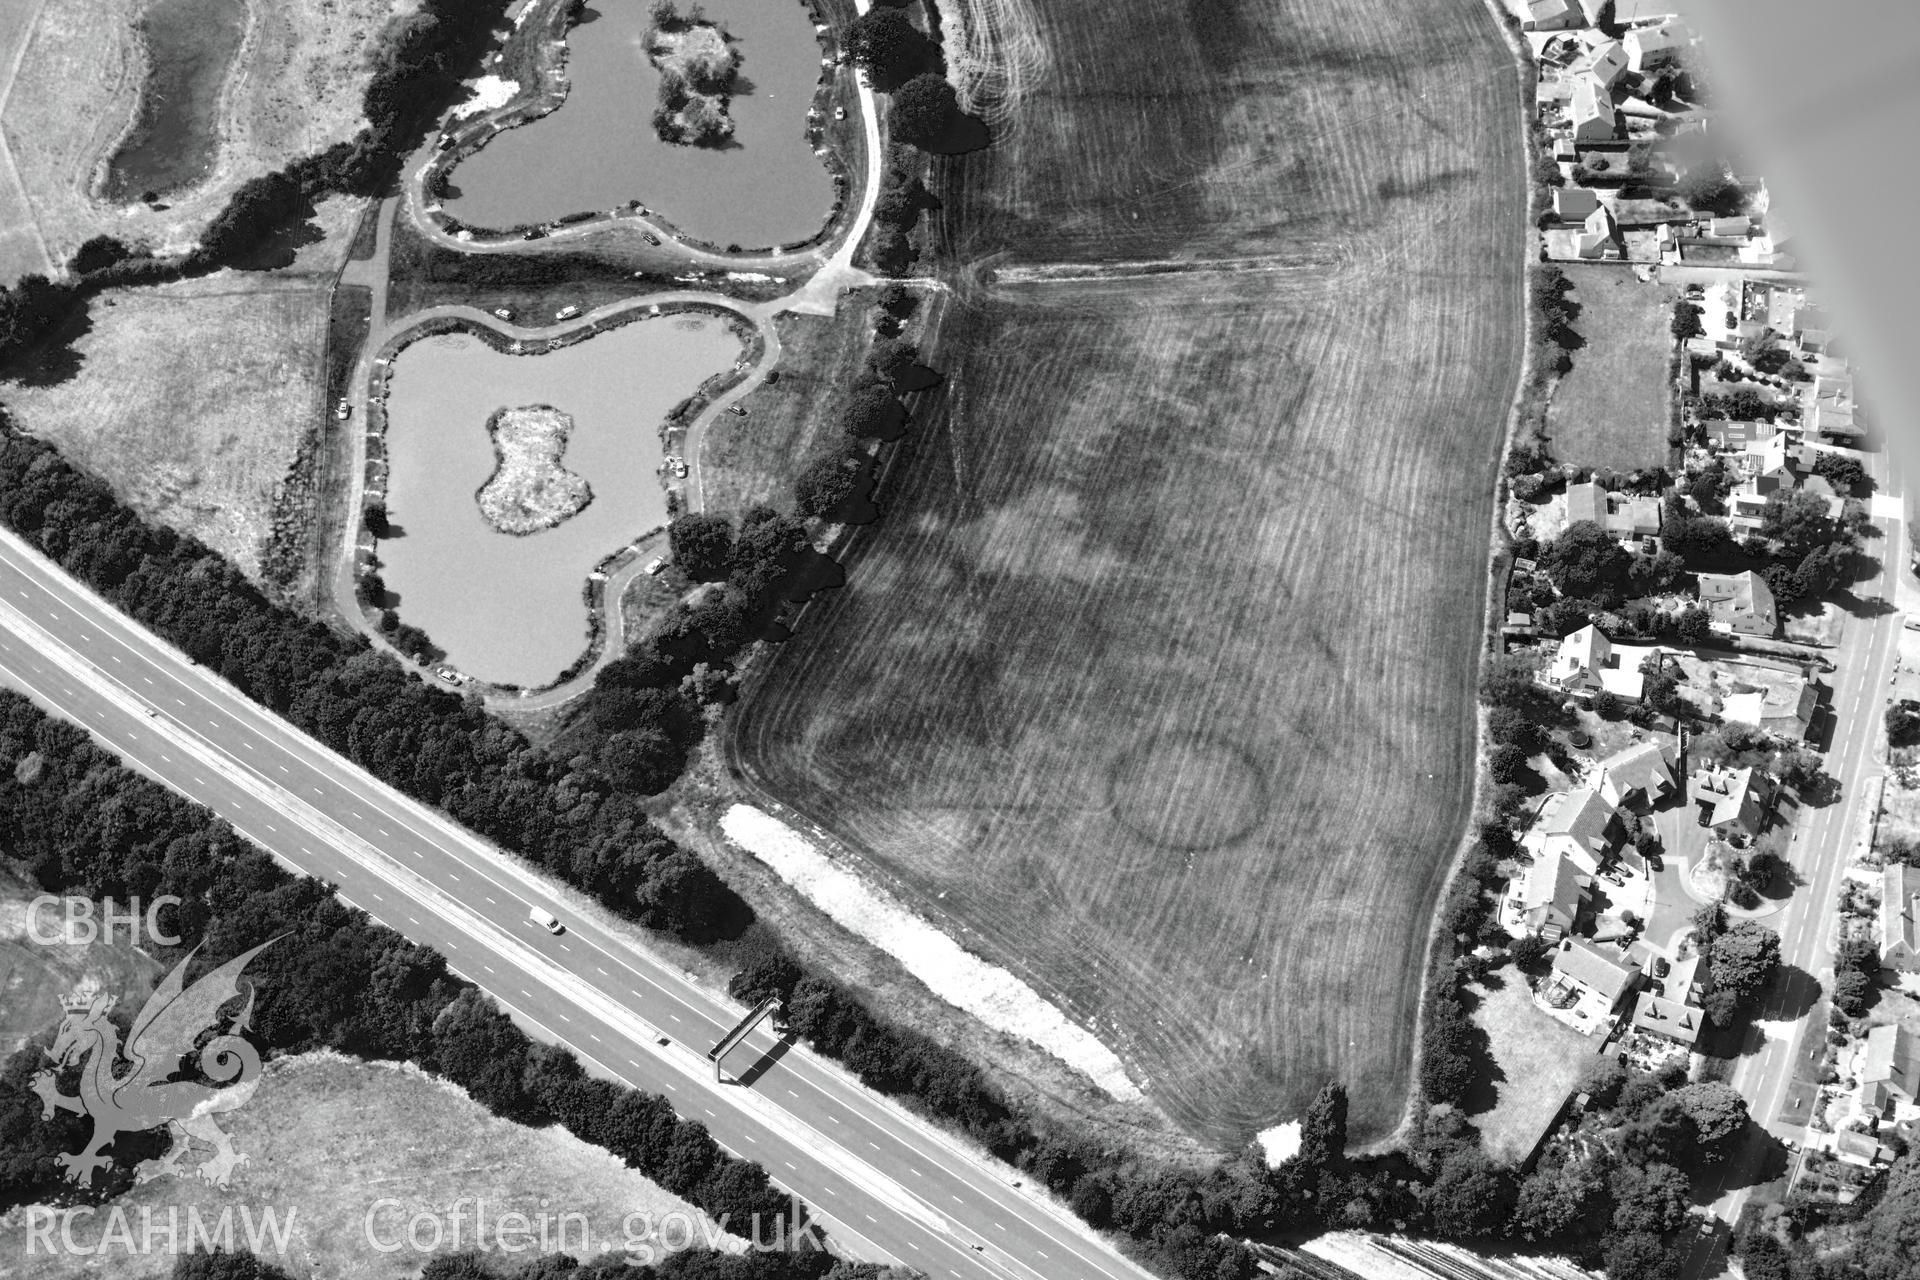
832	274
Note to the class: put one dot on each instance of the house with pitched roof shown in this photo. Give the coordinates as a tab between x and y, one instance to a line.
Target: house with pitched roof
1673	1019
1551	15
1592	113
1586	663
1900	918
1607	62
1548	898
1783	712
1670	1006
1598	237
1593	971
1626	517
1739	603
1889	1068
1640	777
1574	204
1731	801
1650	48
1827	408
1772	467
1580	825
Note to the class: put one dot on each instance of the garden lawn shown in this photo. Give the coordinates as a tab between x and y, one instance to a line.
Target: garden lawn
1537	1062
1611	409
1156	682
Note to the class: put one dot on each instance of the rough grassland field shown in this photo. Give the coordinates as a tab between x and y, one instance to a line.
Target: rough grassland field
327	1137
304	69
1156	682
1610	410
21	252
191	400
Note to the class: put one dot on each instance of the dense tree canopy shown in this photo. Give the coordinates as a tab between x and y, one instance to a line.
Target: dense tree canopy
923	110
702	545
1586	560
889	48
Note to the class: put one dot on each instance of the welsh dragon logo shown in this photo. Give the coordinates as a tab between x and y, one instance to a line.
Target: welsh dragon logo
146	1096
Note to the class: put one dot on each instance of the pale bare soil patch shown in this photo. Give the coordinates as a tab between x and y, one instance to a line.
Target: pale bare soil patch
192	399
303	70
328	1136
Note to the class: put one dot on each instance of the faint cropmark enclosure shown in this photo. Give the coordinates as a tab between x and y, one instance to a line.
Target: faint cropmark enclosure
146	1095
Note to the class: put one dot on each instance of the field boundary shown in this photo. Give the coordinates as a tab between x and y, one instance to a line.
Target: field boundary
1498	540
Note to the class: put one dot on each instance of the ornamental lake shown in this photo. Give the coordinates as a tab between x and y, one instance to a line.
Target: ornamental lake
597	149
506	608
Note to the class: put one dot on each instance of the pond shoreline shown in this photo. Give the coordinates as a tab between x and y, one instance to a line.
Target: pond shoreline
222	118
544	88
753	335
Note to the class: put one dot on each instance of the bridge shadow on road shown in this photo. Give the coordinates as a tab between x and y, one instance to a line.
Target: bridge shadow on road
766	1061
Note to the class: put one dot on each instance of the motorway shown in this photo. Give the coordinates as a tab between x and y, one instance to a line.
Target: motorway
886	1185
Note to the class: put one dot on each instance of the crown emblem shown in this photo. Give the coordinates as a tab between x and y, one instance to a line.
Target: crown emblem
82	998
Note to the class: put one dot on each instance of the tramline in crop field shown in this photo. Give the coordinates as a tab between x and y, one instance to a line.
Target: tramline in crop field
1159	674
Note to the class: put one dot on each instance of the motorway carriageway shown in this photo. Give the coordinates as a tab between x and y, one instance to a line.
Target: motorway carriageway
885	1184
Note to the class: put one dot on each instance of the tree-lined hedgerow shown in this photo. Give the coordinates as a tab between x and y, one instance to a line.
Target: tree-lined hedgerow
436	747
81	823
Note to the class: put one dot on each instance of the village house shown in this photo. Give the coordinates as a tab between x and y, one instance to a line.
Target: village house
1769	468
1593	116
1725	434
1582	826
1785	713
1826	408
1574	204
1607	62
1600	976
1670	1007
1630	13
1547	900
1587	663
1640	777
1889	1069
1739	603
1626	517
1650	48
1861	1149
1899	910
1552	15
1731	801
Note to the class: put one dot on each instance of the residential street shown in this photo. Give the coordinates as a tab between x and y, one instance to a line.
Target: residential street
885	1184
1823	836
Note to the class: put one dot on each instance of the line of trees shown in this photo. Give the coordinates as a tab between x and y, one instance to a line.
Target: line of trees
431	744
419	70
81	823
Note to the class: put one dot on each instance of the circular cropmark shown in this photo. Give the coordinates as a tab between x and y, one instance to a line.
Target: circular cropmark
1187	791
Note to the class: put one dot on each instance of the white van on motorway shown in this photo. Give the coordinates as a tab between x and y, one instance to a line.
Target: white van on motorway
545	919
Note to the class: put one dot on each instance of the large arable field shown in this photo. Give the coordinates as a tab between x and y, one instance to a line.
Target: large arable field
1610	410
1156	682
